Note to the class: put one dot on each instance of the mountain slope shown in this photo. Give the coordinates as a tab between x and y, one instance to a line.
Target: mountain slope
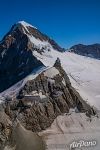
87	50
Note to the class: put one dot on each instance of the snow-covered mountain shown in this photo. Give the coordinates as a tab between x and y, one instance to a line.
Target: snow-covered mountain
25	52
17	52
92	51
37	77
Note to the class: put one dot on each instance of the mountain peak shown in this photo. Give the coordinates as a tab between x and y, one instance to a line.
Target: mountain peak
25	24
20	52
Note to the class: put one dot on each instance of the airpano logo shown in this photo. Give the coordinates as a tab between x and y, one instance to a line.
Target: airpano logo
82	143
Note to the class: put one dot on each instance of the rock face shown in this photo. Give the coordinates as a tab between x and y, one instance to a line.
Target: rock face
5	129
13	136
87	50
16	53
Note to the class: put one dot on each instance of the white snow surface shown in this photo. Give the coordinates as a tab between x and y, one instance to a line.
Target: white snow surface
25	24
75	127
39	44
51	72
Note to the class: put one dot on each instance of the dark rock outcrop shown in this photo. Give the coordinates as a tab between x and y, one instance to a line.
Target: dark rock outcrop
5	129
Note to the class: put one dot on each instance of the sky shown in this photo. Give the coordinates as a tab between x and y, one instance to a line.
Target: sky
68	22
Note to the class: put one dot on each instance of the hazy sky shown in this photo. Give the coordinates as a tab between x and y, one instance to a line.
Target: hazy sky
66	21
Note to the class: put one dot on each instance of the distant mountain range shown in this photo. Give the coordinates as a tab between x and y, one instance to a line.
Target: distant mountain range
92	51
